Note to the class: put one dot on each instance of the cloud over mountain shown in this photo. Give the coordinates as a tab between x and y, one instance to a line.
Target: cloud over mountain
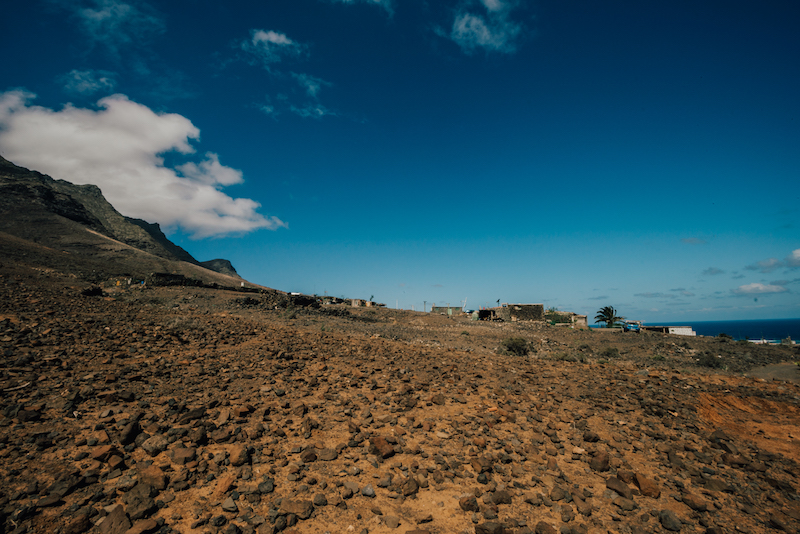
119	147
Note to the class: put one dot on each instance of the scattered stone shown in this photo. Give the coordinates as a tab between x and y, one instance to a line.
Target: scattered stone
545	528
670	521
54	499
328	455
380	447
620	487
145	526
501	497
116	522
308	456
78	525
600	462
695	502
469	504
153	476
300	508
622	503
155	445
229	505
139	501
239	455
647	487
183	455
591	437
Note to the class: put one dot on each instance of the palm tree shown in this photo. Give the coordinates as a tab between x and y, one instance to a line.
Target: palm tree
608	315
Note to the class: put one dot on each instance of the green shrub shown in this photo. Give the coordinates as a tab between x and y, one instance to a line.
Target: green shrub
610	352
555	317
515	345
709	360
564	357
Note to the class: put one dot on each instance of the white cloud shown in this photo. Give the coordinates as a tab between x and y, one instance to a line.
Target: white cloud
793	259
124	32
311	84
118	147
494	5
88	82
211	172
765	266
757	289
494	32
314	111
712	271
268	47
114	24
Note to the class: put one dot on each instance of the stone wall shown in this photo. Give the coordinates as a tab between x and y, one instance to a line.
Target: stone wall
520	312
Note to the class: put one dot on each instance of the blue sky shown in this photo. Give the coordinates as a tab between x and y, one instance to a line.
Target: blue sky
574	153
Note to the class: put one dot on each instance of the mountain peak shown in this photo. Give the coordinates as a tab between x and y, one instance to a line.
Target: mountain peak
57	214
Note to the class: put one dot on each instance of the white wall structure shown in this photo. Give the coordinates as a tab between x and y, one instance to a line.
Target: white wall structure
682	331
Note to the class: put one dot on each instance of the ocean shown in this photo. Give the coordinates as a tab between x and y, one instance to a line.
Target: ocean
774	329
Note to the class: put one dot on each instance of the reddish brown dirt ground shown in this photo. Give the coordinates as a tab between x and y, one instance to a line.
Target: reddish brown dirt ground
186	410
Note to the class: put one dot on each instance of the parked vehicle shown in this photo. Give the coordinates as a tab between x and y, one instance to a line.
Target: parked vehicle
628	326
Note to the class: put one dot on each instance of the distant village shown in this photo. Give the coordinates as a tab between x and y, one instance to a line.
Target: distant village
523	312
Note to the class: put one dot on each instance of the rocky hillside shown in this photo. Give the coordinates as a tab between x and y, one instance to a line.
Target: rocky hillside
220	266
193	410
77	219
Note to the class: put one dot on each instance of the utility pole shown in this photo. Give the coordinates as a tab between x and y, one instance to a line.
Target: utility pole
424	305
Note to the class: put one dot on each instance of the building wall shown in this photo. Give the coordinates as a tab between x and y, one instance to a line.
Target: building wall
682	331
674	330
580	321
520	312
445	310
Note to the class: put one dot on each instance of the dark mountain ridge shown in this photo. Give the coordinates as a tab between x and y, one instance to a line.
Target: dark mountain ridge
77	219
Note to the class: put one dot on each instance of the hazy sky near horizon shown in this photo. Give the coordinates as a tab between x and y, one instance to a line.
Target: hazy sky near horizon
576	153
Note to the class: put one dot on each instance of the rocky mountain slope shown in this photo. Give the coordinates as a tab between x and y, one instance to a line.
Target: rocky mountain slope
77	219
